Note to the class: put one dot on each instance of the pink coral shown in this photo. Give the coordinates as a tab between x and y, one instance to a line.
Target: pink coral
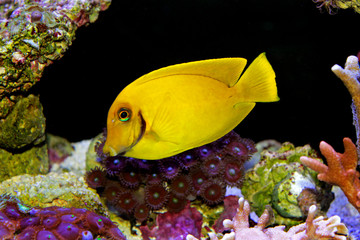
175	225
341	169
312	229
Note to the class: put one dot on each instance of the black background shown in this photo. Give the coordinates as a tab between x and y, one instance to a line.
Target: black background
134	37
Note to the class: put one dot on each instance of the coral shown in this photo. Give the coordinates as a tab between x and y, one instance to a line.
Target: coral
332	5
340	169
18	221
156	196
171	182
96	178
350	77
213	192
279	179
175	225
313	228
63	190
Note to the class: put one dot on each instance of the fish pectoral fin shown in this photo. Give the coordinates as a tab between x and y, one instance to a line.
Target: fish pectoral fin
226	70
163	127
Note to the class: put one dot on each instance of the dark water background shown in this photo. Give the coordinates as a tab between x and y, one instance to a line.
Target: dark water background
135	37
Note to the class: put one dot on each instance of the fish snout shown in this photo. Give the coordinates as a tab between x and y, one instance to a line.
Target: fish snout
108	150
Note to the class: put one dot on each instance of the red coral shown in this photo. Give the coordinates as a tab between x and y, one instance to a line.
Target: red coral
176	203
340	171
169	168
156	196
96	178
170	182
141	212
213	192
181	186
125	202
212	165
234	172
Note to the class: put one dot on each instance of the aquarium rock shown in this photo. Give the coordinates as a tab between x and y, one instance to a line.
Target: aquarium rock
282	182
64	190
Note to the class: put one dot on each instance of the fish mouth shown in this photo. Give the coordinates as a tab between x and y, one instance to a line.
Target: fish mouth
142	132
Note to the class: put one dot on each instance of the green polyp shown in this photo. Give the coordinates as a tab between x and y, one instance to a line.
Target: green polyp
156	195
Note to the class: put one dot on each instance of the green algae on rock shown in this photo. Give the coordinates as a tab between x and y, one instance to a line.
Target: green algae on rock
31	161
22	135
290	188
64	190
24	125
32	35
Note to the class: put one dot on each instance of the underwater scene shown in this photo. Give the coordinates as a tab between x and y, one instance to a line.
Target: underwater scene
170	120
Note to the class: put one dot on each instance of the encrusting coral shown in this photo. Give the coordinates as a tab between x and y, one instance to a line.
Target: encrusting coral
20	222
341	168
137	187
313	229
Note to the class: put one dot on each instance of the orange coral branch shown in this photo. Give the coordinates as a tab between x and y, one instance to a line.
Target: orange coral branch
340	171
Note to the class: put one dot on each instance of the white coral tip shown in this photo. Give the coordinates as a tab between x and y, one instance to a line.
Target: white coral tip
191	237
336	68
212	236
227	223
229	236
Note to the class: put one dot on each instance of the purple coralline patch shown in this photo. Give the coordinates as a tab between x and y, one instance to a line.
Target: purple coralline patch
175	226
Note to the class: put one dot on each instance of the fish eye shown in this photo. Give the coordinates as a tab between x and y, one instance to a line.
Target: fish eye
124	114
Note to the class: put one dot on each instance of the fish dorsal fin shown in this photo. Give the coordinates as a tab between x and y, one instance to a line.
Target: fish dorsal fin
226	70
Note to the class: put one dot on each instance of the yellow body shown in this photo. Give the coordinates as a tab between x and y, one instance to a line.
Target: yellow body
184	106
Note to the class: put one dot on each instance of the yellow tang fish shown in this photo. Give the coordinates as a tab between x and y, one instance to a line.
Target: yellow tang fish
184	106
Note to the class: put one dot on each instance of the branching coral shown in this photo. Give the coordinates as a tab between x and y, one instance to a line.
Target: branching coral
350	76
313	228
340	171
171	182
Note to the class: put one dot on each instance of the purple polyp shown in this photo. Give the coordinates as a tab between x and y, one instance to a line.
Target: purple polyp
45	235
87	235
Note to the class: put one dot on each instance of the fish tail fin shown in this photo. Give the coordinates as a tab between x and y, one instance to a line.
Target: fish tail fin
257	84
